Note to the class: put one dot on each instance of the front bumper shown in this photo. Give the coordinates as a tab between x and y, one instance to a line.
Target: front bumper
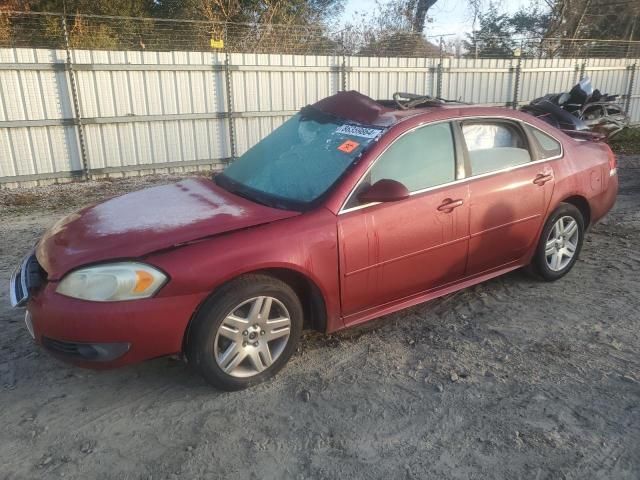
86	352
113	334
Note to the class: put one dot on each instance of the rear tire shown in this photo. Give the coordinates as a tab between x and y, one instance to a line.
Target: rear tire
246	332
560	243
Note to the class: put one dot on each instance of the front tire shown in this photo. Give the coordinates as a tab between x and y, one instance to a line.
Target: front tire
246	332
560	243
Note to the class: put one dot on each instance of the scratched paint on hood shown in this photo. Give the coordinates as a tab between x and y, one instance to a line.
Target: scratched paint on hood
148	220
196	203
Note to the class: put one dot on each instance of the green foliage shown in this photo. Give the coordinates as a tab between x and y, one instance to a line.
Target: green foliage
291	12
292	26
627	142
5	29
493	38
500	35
298	12
530	22
603	19
390	28
406	44
125	8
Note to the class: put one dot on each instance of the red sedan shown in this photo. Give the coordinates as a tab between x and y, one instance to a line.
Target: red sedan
350	210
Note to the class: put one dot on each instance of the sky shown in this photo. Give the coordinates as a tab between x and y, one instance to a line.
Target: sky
450	17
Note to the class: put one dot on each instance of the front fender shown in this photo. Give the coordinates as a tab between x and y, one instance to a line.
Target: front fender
306	244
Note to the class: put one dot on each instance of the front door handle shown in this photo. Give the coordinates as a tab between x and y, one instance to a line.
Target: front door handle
542	178
448	205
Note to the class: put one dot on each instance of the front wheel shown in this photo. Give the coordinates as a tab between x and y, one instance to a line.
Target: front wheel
560	243
246	332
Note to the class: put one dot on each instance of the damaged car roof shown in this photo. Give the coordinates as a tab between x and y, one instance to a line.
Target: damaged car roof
354	106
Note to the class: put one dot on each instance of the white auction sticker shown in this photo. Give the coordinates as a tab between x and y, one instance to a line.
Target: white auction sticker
354	130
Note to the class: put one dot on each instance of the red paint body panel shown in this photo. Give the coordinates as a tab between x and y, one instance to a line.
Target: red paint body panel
393	250
154	326
148	220
507	210
365	262
306	244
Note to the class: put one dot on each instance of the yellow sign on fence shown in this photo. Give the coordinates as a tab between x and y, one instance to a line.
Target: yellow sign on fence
217	43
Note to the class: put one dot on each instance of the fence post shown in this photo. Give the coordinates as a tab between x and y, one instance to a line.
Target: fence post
86	172
632	77
343	65
583	67
440	70
516	81
580	70
229	88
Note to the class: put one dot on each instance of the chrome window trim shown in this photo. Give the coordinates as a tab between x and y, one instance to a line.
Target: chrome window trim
551	136
457	181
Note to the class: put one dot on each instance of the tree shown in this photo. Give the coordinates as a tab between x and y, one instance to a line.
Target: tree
602	19
267	26
401	44
493	37
393	27
291	12
396	15
125	8
418	12
595	19
532	22
15	6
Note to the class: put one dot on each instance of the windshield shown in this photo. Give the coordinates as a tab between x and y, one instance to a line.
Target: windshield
299	161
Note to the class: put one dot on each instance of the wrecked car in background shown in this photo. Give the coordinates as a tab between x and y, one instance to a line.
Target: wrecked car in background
580	110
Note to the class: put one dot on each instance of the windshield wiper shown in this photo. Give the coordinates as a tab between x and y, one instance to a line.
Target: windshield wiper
250	194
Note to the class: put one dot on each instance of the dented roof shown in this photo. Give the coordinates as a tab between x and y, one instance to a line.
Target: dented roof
354	106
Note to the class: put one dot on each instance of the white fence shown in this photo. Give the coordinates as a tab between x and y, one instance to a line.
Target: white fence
99	113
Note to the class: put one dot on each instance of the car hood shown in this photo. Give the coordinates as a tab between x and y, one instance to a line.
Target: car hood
146	221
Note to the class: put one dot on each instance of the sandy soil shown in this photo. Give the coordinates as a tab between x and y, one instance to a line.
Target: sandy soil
511	379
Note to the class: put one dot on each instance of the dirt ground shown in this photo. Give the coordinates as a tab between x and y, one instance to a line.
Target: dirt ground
510	379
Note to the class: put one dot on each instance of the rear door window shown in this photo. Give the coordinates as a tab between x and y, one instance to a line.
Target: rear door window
494	146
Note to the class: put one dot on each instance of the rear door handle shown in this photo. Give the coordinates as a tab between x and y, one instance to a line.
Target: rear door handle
542	178
448	205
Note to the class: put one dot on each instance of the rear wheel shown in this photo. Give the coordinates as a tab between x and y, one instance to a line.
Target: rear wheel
560	243
246	332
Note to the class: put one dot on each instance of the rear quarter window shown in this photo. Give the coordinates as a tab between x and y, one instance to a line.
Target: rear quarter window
548	146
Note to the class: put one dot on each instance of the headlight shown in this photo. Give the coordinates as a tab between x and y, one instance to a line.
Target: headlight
112	282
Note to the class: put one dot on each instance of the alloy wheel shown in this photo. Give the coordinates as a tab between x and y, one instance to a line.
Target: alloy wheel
252	336
562	243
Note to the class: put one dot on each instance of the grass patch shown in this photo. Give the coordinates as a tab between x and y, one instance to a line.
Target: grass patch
627	142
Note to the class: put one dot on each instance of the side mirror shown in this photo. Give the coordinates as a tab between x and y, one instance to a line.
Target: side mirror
384	190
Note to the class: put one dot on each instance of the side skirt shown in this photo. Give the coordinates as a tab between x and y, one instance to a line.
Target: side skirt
406	302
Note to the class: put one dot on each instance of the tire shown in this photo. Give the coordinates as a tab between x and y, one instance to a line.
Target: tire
231	324
562	221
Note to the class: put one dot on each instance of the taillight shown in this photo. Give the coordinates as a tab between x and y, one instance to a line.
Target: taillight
613	162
